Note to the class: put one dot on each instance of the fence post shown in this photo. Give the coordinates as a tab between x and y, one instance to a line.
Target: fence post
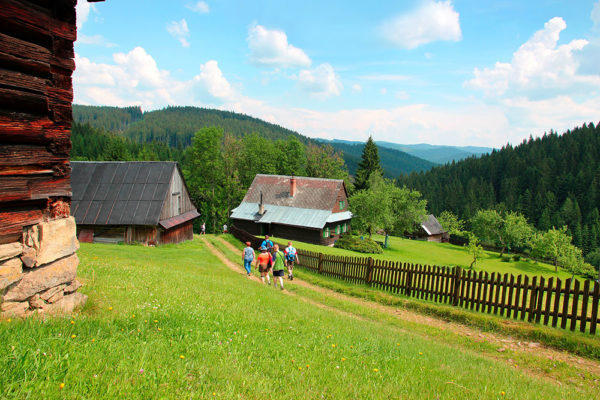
369	270
457	284
320	268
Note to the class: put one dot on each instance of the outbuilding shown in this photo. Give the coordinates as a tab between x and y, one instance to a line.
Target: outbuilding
313	210
132	202
432	231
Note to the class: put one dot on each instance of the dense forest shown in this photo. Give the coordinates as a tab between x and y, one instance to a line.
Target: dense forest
175	127
553	181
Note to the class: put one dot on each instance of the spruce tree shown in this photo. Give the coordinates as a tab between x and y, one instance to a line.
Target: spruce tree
368	165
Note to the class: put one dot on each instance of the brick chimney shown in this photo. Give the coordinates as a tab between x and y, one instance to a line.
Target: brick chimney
261	205
293	186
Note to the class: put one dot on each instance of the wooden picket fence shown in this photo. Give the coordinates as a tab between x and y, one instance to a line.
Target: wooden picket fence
567	304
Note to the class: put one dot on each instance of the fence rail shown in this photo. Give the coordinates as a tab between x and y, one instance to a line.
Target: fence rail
566	304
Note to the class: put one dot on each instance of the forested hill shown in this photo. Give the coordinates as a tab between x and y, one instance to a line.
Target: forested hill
553	181
394	162
175	127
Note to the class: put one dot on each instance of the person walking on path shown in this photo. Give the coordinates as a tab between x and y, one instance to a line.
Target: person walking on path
278	266
248	256
224	229
291	256
263	263
203	229
267	244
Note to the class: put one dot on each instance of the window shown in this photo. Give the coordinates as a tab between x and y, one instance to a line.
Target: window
344	227
342	204
326	232
337	229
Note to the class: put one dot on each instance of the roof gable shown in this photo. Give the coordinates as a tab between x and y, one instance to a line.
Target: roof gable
311	193
432	226
119	192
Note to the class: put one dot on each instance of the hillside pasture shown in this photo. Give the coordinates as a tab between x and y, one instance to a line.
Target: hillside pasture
173	322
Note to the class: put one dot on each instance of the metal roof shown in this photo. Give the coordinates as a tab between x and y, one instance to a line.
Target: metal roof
119	192
304	217
432	226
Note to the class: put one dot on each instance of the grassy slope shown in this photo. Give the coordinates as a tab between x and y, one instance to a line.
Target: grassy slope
441	254
150	306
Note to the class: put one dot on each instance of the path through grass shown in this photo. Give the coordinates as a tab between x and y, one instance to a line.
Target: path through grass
172	322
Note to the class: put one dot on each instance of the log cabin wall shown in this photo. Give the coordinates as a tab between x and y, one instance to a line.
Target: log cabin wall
37	236
178	234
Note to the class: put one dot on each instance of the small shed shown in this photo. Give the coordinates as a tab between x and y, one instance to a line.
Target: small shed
432	231
132	202
313	210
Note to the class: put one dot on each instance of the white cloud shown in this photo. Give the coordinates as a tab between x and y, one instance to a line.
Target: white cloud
402	95
82	10
383	91
97	40
212	80
179	30
595	14
539	68
270	48
200	7
134	78
321	81
356	88
432	21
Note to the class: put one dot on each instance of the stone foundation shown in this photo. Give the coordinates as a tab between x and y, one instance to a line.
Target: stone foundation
38	275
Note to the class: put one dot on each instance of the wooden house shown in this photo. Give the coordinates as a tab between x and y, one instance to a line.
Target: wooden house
312	210
132	202
432	231
37	235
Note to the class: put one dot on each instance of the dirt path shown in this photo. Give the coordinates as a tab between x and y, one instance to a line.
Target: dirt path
236	268
503	342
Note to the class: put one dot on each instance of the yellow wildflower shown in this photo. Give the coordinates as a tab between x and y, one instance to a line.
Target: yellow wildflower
62	385
182	356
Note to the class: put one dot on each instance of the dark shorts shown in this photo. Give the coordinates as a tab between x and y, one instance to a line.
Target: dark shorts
278	273
263	267
289	263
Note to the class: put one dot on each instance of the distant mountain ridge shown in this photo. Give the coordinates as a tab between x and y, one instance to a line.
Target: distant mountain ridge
437	154
176	126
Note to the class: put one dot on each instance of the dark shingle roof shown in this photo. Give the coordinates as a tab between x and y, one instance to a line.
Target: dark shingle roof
118	192
314	193
432	226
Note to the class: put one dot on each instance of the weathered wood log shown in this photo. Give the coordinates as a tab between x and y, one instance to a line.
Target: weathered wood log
20	81
31	160
12	221
27	129
37	20
35	103
34	187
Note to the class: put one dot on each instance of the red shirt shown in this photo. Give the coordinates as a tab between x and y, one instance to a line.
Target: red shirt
264	258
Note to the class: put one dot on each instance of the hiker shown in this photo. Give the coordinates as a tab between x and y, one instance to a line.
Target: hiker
203	229
291	256
263	263
224	229
267	244
278	266
248	255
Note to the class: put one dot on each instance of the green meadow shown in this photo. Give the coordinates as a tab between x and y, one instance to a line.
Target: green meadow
173	322
442	254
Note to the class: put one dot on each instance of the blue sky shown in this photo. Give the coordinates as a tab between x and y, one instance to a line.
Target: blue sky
418	71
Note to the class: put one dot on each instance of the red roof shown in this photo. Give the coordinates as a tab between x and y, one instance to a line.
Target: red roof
179	219
314	193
